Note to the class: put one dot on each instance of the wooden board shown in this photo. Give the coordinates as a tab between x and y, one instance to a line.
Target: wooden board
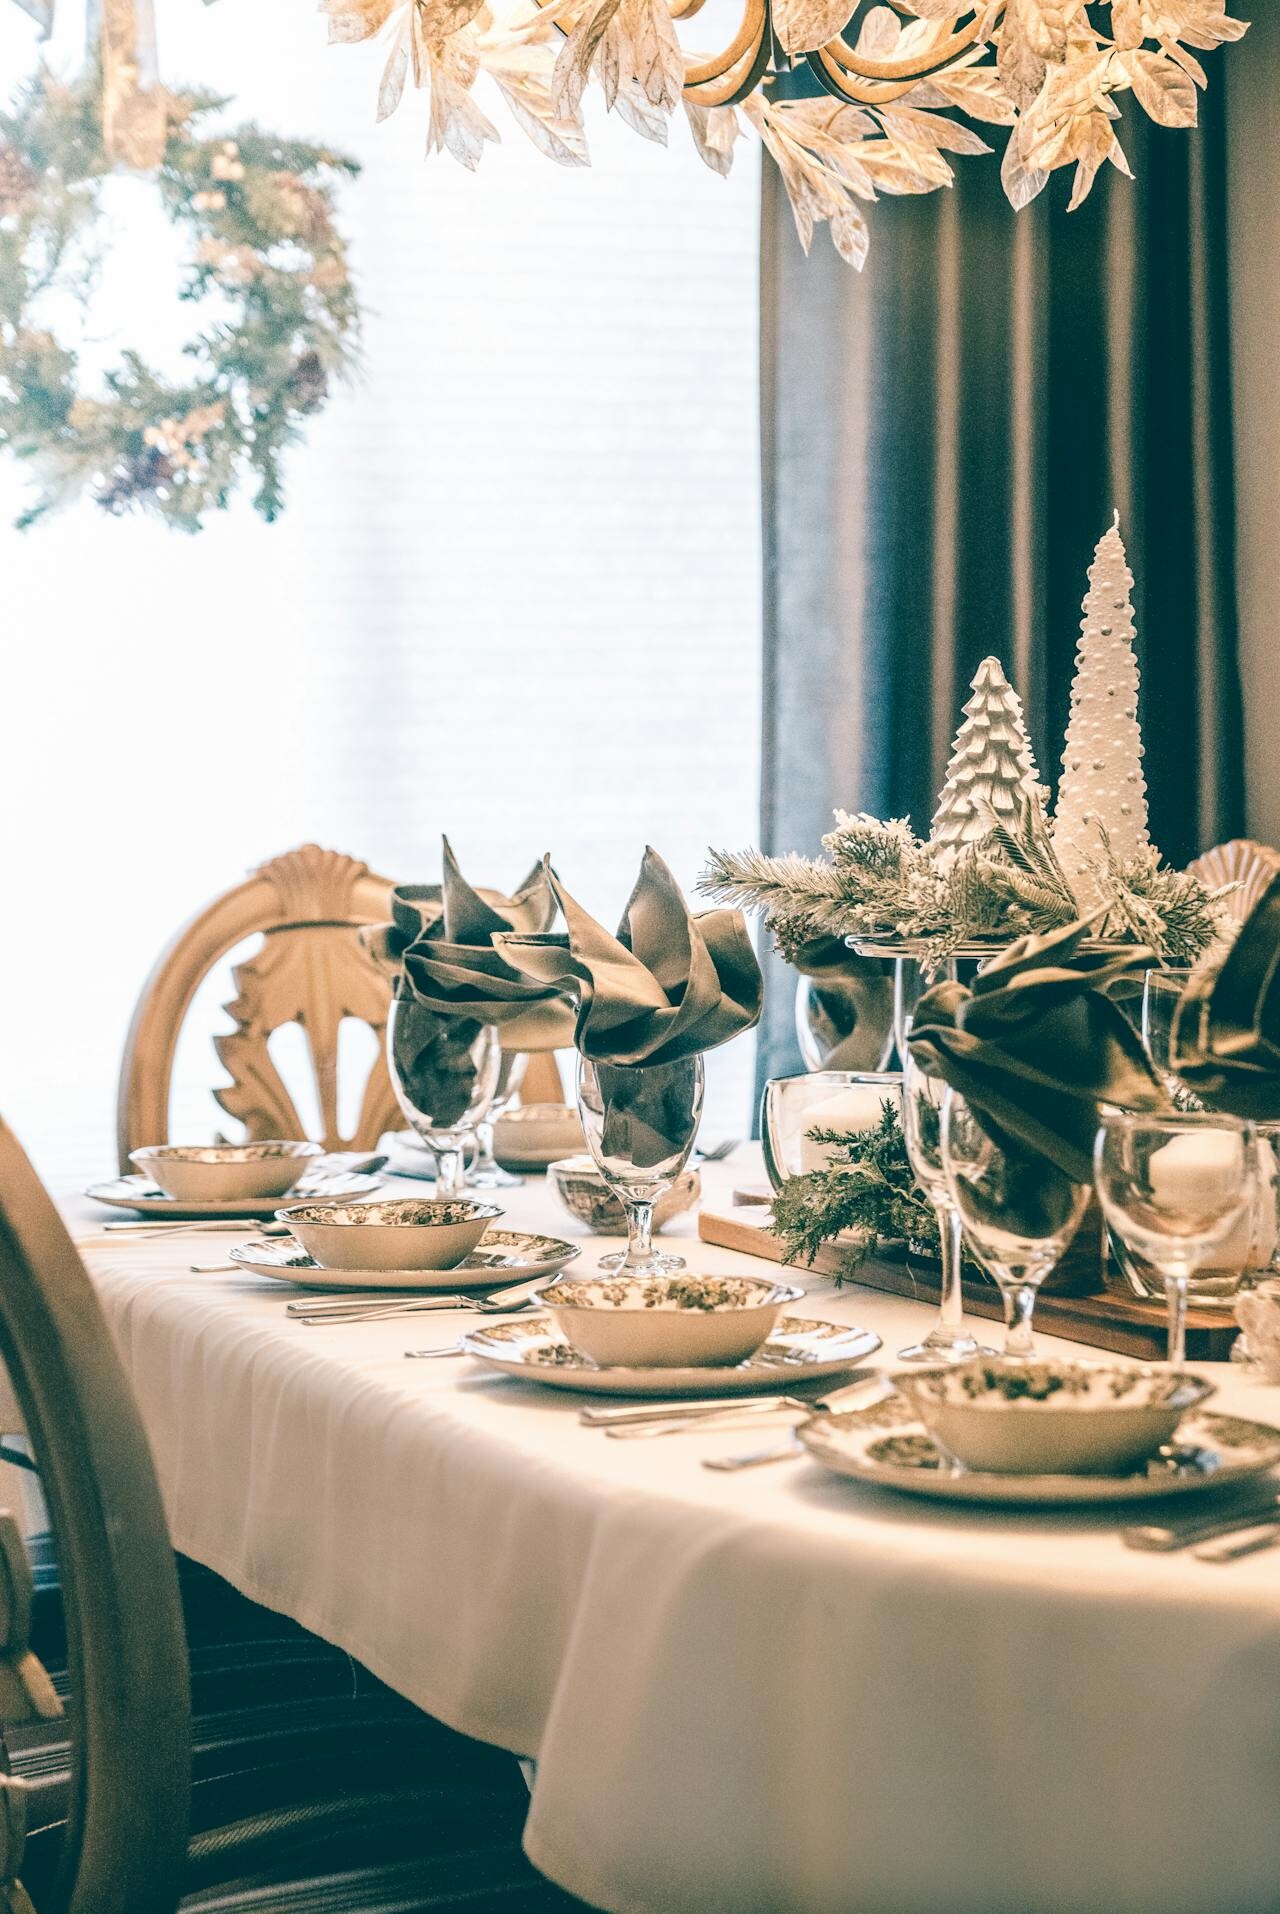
1116	1323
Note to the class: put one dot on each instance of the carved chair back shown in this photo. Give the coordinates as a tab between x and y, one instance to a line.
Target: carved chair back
124	1850
311	970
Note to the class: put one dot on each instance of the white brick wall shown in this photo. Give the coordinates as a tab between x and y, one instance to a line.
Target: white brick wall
514	596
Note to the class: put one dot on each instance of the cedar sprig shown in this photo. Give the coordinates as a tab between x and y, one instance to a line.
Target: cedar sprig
868	1191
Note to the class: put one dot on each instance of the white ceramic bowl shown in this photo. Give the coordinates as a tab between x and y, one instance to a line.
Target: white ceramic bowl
225	1172
1051	1418
667	1322
403	1232
586	1195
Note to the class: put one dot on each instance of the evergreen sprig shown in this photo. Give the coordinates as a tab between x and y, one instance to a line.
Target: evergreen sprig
880	881
868	1190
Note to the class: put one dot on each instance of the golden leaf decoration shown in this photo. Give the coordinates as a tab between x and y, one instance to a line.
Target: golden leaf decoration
714	129
897	107
804	25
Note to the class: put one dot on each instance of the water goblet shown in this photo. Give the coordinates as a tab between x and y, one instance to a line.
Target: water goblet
1173	1188
948	1340
640	1122
1018	1211
485	1172
443	1072
1161	993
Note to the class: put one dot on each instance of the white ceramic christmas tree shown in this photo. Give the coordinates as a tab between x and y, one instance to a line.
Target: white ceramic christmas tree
991	764
1102	782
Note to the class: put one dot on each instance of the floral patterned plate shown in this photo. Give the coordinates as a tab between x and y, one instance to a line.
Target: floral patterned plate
886	1443
500	1252
140	1194
799	1347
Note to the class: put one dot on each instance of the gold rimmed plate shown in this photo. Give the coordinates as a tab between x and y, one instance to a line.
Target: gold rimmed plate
533	1349
887	1444
145	1198
500	1252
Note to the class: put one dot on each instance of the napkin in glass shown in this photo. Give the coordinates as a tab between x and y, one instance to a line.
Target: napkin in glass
441	945
1226	1034
667	986
1036	1046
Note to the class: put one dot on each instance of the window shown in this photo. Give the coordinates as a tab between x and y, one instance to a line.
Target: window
514	594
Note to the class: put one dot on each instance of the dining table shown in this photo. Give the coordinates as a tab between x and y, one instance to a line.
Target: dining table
769	1691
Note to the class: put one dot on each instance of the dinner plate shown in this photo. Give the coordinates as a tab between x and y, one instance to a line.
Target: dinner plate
533	1349
499	1252
886	1443
139	1193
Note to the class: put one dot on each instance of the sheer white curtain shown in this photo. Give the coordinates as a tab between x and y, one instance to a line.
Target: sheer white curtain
514	594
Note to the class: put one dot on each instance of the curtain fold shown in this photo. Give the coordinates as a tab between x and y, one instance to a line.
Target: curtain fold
945	438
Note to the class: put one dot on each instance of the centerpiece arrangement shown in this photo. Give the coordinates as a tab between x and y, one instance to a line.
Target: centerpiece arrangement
997	864
1081	888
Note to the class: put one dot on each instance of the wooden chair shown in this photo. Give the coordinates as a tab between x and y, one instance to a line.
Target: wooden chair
366	1808
311	970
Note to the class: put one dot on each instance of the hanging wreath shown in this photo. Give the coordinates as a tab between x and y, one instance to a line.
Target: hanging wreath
267	262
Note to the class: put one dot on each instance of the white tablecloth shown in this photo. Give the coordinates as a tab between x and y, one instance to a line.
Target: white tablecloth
765	1693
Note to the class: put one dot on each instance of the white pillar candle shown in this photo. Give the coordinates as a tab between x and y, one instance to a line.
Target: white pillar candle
1197	1168
850	1111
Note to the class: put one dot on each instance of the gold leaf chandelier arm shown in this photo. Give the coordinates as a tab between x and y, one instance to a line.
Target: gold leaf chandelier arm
856	92
914	67
737	82
748	37
685	9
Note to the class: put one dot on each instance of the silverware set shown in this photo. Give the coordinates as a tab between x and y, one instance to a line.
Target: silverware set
386	1305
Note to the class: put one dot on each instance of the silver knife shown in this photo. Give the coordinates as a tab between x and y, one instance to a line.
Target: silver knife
1175	1535
719	1405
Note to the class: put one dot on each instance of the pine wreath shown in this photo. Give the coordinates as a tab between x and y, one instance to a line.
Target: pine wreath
266	254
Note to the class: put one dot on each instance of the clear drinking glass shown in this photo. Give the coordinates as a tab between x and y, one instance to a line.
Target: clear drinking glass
640	1122
1173	1188
443	1072
485	1171
922	1096
1018	1212
1161	991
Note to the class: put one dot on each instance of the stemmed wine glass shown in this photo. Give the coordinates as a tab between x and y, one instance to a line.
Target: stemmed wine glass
640	1122
1172	1187
1019	1212
948	1340
1161	994
443	1072
485	1172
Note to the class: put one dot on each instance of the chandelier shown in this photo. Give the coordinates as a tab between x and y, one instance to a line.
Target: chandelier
884	116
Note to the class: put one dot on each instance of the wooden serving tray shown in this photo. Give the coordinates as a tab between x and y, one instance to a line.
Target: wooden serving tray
1116	1323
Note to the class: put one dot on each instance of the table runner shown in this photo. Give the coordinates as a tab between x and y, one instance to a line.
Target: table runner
766	1693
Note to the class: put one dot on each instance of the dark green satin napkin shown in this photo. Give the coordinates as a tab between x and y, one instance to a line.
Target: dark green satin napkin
1037	1046
1226	1035
668	985
441	943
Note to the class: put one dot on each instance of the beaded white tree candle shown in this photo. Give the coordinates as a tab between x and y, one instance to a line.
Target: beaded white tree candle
1103	790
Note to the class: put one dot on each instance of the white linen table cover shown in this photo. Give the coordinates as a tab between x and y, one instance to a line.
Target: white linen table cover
773	1692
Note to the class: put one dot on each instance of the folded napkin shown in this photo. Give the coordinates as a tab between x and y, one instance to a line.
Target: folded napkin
1226	1035
441	945
1037	1045
667	986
